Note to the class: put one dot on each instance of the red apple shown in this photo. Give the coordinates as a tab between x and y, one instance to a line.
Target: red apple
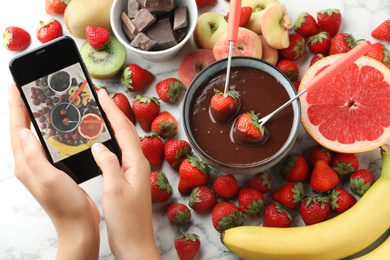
209	27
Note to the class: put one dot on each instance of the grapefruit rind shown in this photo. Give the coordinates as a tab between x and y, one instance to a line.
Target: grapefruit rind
97	128
375	123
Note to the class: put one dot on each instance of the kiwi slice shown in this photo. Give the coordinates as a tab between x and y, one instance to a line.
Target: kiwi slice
104	63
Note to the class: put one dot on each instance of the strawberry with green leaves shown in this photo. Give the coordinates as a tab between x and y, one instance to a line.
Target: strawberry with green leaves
161	189
56	7
316	58
134	77
289	68
245	15
382	32
250	201
203	3
49	31
187	246
329	20
226	215
277	216
248	131
289	194
123	104
319	43
296	48
323	177
202	199
318	152
193	173
226	186
16	38
314	209
178	214
153	148
342	43
306	25
175	151
97	36
345	163
295	168
169	90
379	52
261	181
145	110
360	181
341	200
164	125
224	106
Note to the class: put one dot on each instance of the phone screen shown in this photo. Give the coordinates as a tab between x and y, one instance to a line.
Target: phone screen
66	112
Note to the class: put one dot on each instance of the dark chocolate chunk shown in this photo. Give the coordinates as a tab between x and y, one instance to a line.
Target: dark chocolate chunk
179	35
128	26
180	19
161	32
159	6
132	8
143	42
143	19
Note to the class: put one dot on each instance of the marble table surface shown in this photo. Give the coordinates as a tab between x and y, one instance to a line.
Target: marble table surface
26	231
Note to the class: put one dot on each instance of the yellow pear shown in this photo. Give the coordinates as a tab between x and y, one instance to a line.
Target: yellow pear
81	13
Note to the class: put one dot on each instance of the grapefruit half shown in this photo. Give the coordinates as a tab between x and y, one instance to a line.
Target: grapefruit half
350	113
91	126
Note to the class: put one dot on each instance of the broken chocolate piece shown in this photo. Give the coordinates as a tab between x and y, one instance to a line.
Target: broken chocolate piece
143	42
159	6
179	35
128	27
180	19
132	8
161	32
143	19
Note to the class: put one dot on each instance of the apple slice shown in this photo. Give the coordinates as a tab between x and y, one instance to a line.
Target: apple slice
275	25
209	27
258	7
248	43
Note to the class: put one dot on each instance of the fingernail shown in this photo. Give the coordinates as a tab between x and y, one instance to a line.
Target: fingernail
24	136
97	147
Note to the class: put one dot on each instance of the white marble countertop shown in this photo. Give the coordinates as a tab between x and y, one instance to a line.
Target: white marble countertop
25	230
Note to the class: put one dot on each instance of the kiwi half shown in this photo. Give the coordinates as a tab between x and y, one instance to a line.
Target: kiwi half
104	63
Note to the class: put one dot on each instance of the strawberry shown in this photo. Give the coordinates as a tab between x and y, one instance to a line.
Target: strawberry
379	52
226	215
289	68
193	172
314	209
123	104
153	148
187	246
289	194
360	181
245	15
342	43
318	152
161	189
224	106
319	43
250	201
164	125
261	181
382	32
169	90
49	31
16	38
306	25
202	199
345	163
56	7
295	168
329	20
296	84
175	151
226	186
323	177
178	214
340	200
296	48
248	131
97	36
134	77
316	58
145	110
277	216
203	3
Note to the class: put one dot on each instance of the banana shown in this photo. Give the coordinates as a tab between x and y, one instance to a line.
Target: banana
336	238
381	252
68	149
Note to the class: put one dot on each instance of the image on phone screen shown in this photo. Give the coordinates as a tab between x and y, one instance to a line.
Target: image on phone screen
66	112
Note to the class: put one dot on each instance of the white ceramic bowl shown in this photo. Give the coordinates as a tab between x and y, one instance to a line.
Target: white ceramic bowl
119	6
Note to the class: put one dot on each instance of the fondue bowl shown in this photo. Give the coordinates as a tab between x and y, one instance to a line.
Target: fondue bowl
260	86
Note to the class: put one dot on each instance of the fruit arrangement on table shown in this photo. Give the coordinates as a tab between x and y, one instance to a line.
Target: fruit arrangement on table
325	186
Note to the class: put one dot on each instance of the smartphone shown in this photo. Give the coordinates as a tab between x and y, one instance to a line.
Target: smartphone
60	98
